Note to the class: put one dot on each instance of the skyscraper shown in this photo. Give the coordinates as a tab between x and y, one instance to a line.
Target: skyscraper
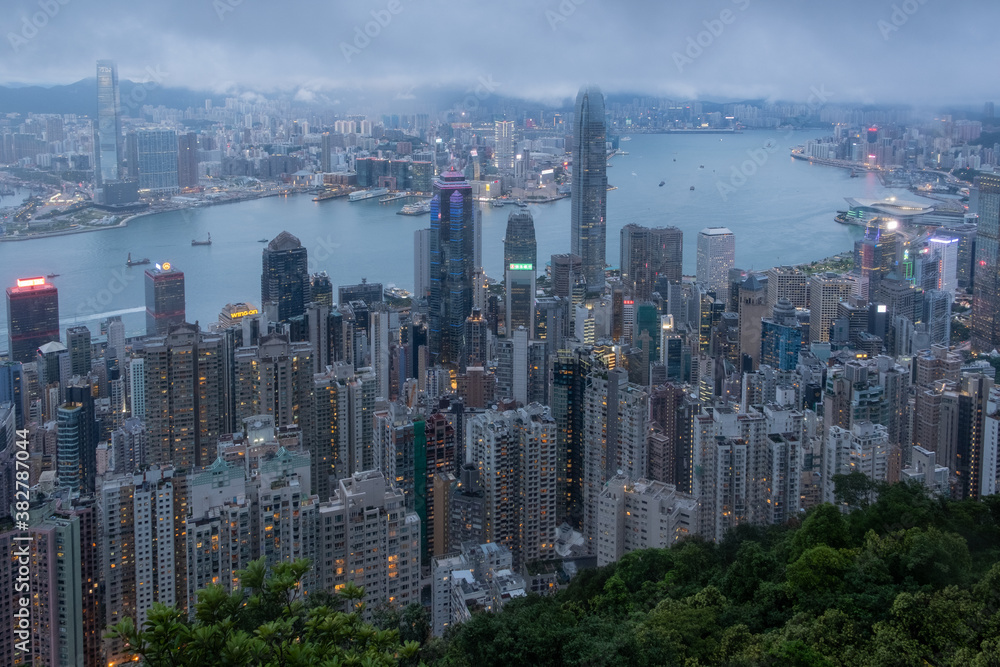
284	281
520	253
421	263
78	344
648	255
32	317
452	263
590	186
157	153
187	160
986	286
716	256
826	291
503	144
164	299
108	132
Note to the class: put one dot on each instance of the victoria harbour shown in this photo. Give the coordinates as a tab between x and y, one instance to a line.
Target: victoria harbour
782	213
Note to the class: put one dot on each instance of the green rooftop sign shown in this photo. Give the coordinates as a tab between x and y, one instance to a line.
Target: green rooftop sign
521	267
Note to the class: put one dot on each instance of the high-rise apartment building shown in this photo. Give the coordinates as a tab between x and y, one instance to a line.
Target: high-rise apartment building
452	264
649	255
421	263
32	317
515	452
787	282
716	256
187	391
589	186
165	299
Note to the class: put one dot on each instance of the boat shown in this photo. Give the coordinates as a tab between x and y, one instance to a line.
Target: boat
52	275
415	209
854	173
262	240
367	194
136	262
662	183
701	166
496	203
692	187
626	139
675	159
207	241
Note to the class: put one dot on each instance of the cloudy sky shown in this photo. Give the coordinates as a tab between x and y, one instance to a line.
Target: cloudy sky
871	51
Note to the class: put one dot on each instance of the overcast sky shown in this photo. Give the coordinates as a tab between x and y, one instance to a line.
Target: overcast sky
872	51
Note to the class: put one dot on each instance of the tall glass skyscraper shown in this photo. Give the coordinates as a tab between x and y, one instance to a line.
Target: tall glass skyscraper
157	153
648	255
32	317
108	132
452	263
164	299
986	286
520	268
716	256
590	186
503	144
285	284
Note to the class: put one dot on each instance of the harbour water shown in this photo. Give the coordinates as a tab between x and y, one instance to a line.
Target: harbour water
781	211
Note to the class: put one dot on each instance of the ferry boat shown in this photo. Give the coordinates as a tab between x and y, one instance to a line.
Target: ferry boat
207	241
367	194
415	209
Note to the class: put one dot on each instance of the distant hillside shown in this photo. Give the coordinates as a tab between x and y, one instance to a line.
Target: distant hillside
81	98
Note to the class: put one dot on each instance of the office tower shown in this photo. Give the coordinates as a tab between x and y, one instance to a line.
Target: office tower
944	253
520	297
752	309
614	438
675	354
76	453
143	555
503	144
452	263
187	394
273	378
435	450
551	322
284	280
986	286
164	299
566	270
371	541
787	282
937	315
325	150
516	454
108	131
14	389
875	254
131	168
826	291
116	339
157	161
78	345
641	514
32	317
519	246
421	263
321	288
589	187
187	160
648	255
370	293
782	337
716	256
340	436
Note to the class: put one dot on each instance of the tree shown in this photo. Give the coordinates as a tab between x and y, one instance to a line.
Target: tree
264	623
